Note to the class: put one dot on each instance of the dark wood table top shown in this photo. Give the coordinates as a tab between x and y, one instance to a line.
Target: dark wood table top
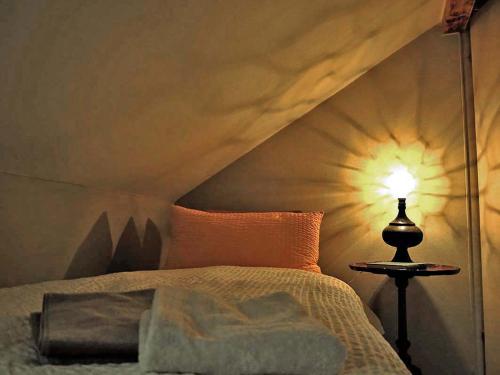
430	270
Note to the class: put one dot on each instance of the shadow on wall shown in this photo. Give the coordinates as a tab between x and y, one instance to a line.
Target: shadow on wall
428	319
95	252
95	255
130	255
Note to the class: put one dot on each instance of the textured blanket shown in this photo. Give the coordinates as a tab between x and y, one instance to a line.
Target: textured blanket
198	332
91	327
326	298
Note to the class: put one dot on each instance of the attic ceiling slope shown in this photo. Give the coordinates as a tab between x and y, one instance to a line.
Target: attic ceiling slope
154	97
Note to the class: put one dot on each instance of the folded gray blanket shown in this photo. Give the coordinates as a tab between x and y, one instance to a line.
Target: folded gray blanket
91	327
199	332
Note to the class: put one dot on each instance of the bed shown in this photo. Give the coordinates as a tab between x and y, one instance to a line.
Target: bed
326	298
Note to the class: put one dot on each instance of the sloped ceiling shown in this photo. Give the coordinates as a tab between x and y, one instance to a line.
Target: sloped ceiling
154	97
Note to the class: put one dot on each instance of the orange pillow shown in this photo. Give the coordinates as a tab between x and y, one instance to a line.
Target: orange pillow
258	239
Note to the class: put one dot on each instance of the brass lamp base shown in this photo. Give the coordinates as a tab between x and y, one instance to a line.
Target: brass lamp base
402	233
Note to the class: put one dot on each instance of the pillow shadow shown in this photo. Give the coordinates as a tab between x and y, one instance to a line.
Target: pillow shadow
130	255
94	254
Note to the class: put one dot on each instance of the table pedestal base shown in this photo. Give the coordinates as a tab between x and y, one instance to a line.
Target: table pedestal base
402	343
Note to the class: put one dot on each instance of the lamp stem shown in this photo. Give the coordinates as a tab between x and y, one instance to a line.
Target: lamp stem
402	211
402	206
402	251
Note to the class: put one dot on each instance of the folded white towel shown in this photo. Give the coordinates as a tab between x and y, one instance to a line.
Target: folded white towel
189	331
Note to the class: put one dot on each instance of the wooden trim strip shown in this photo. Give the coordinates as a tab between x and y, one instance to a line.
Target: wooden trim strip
456	15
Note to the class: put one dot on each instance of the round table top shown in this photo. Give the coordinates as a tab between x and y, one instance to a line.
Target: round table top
430	270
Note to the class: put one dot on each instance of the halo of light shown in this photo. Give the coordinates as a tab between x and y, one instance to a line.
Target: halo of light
399	183
376	179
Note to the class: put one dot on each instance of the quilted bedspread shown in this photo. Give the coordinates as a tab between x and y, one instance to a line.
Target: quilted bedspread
326	298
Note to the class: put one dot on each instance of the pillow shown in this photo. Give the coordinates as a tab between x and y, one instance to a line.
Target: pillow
258	239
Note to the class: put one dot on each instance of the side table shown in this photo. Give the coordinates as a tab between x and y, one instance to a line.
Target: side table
401	277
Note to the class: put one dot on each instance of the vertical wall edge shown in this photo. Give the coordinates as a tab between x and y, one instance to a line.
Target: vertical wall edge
472	199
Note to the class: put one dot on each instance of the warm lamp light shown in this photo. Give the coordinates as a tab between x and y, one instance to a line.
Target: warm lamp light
401	233
400	182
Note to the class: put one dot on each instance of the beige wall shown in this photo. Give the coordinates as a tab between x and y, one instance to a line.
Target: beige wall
485	33
51	230
408	110
106	104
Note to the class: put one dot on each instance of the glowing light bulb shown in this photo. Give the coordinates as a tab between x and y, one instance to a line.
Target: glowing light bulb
400	182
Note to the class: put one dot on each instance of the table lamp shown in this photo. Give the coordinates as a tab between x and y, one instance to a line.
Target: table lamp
401	233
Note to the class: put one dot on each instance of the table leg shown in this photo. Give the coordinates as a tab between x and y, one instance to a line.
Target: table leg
402	343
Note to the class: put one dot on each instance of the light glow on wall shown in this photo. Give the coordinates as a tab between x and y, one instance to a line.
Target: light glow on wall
398	171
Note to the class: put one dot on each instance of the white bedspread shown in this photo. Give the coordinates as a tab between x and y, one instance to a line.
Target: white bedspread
326	298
